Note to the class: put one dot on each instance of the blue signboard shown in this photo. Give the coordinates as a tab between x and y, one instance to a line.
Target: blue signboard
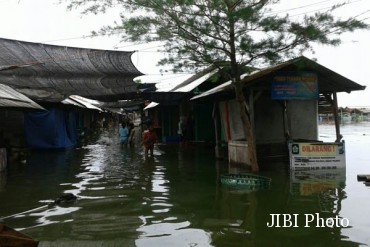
295	86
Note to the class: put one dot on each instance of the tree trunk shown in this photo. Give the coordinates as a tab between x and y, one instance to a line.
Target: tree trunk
248	132
247	127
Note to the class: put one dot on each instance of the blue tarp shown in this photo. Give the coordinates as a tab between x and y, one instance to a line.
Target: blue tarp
55	128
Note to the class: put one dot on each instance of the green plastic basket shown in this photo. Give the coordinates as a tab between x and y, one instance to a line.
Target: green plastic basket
246	180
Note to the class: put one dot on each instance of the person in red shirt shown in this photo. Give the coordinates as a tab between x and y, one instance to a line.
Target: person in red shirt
149	137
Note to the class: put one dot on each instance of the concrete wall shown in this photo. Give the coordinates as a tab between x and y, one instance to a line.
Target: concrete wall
269	120
303	119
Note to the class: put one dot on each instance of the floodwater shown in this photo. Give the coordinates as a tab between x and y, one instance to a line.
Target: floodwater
176	198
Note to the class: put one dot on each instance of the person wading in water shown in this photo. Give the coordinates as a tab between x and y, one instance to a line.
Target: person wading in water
123	134
149	137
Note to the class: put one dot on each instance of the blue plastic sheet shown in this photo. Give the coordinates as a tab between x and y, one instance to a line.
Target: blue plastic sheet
52	129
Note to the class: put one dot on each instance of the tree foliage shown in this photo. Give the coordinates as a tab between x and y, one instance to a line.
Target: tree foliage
198	33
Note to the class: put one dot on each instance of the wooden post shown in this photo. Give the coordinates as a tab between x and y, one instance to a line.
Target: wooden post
336	119
251	114
215	121
285	120
3	159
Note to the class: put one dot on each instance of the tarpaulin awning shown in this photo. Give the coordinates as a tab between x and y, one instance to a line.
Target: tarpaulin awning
52	73
9	98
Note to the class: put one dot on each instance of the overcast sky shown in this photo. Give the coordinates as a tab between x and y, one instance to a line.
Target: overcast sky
47	21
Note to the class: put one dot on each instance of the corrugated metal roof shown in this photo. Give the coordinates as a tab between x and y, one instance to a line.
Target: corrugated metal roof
220	88
12	99
81	102
329	81
183	89
193	82
52	73
195	79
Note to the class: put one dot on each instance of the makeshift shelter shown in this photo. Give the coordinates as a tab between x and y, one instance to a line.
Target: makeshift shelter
50	74
170	109
11	101
282	104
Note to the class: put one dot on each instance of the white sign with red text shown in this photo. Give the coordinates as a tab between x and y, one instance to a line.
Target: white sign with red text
317	155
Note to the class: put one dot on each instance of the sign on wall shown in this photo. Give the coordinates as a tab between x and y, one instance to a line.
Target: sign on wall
295	86
316	156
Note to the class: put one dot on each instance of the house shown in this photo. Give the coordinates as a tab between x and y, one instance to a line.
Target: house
366	114
283	104
166	109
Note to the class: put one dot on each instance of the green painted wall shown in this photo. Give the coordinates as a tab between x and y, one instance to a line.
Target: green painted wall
169	120
204	124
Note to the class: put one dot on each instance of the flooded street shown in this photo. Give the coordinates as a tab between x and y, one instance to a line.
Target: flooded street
176	198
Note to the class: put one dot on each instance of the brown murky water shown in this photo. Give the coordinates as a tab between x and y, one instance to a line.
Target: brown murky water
176	198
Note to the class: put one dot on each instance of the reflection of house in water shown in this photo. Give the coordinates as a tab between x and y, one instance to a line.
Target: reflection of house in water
322	189
318	193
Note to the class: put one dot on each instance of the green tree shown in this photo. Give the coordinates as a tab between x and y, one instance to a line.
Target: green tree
231	33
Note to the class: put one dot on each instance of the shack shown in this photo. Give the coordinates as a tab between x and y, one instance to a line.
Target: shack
12	105
48	75
283	108
171	110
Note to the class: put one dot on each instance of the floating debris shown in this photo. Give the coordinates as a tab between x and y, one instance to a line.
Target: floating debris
65	198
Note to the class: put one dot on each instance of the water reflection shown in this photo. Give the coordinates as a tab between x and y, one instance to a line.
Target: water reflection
312	198
172	199
160	226
322	189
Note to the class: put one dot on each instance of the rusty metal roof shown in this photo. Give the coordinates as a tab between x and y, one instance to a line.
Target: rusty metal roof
52	73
